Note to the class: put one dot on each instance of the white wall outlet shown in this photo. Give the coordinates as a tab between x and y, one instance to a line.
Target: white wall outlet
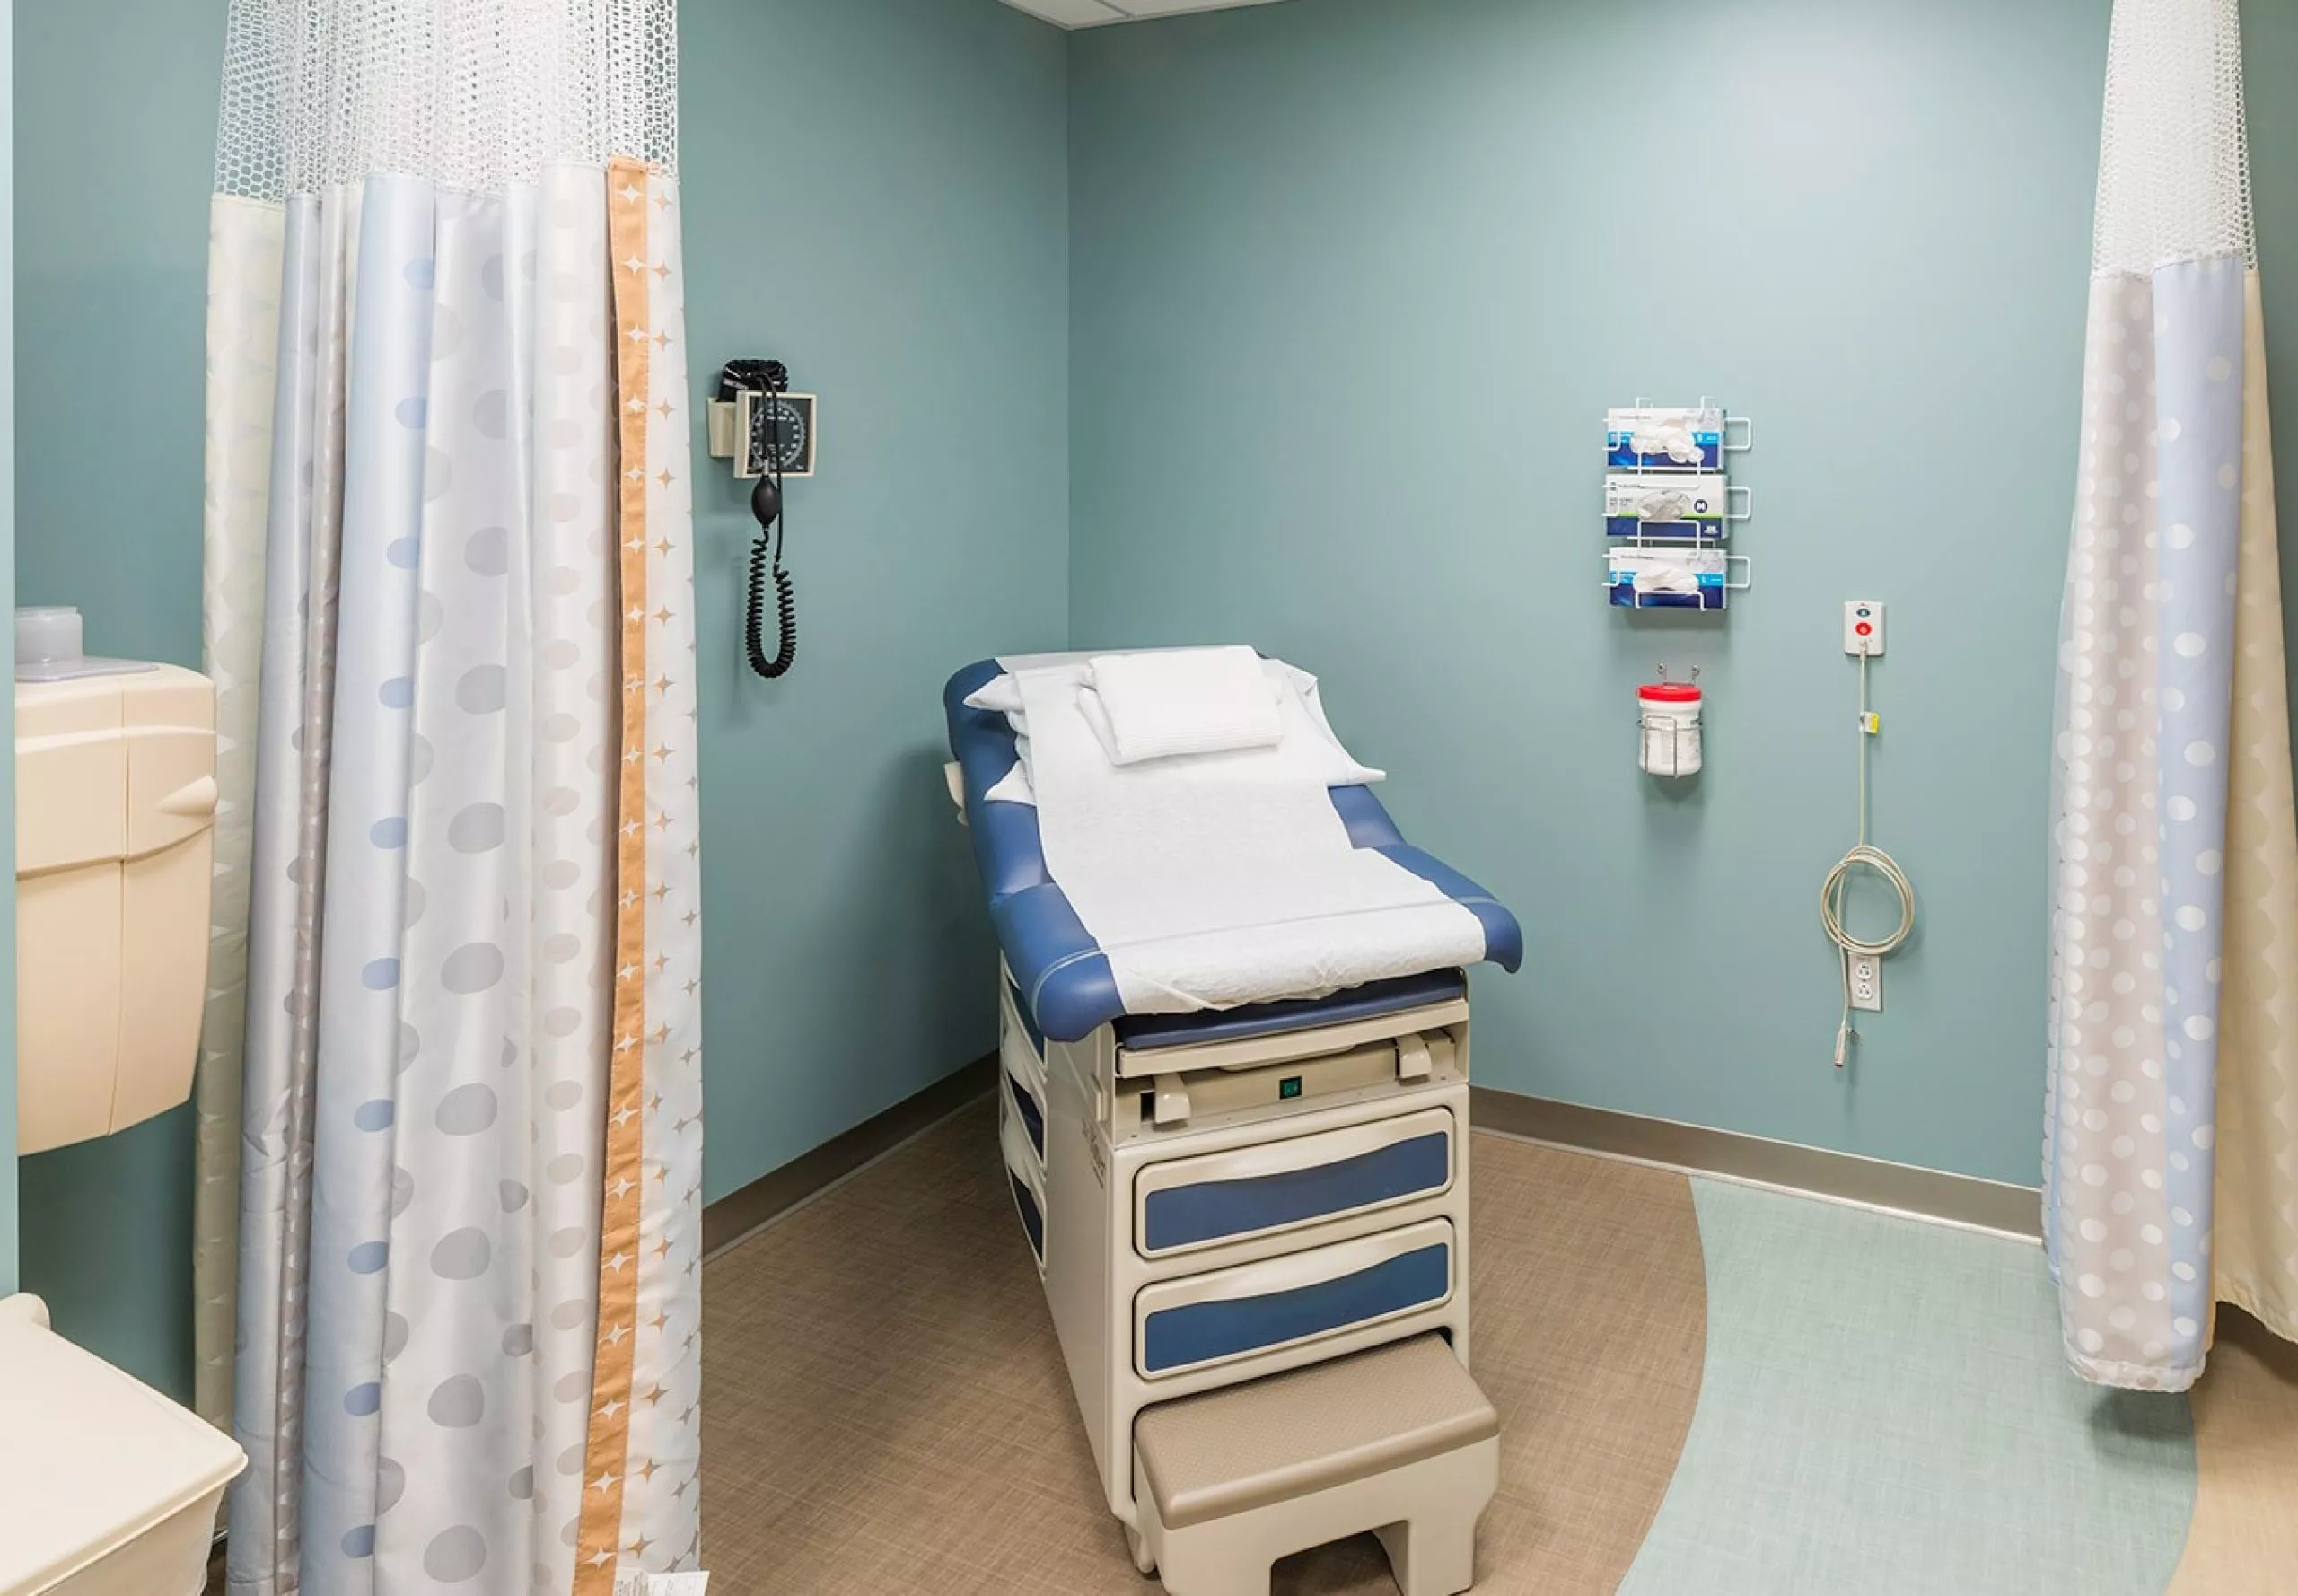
1863	627
1867	973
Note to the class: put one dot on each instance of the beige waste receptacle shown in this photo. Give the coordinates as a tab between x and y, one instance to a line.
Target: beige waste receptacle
114	836
107	1488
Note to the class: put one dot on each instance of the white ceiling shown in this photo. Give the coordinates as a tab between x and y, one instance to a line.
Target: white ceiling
1092	13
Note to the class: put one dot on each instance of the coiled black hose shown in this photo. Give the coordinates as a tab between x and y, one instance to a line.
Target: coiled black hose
766	563
769	378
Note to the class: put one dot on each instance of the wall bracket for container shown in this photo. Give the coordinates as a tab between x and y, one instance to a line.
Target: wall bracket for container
1668	729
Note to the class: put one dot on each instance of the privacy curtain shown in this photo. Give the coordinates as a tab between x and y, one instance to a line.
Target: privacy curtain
2170	1158
451	1065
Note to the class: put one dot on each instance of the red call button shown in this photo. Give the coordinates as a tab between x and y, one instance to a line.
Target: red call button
1864	629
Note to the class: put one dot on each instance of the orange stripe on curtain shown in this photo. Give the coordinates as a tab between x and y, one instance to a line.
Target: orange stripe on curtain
607	1456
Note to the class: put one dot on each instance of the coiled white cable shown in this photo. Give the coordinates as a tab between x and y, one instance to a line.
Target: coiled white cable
1831	891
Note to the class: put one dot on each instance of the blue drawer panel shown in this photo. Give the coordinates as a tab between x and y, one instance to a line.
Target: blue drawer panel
1184	1215
1026	1106
1031	1220
1201	1332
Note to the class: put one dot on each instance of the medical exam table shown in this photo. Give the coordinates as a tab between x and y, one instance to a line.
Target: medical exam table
1266	1201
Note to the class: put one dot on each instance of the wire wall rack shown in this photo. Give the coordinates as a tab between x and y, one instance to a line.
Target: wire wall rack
1671	508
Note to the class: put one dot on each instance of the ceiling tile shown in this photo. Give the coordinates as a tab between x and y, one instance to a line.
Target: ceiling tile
1166	8
1092	13
1070	14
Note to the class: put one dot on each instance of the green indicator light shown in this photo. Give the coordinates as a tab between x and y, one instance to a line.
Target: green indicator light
1289	1087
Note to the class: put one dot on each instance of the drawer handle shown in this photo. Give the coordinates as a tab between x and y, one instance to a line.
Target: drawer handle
193	800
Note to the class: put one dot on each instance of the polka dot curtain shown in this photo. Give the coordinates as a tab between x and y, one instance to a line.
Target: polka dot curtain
2170	1155
448	1264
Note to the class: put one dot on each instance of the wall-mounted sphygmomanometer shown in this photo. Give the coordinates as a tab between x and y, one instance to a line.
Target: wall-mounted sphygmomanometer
769	434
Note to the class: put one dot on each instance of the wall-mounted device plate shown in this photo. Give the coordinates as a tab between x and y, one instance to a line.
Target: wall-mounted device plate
746	428
1863	627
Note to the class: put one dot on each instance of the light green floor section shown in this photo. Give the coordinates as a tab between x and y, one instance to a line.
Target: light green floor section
1885	1409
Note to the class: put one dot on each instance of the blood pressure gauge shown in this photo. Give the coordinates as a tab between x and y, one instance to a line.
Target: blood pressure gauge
778	429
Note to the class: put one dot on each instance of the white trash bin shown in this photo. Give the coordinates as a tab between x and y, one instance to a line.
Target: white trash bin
107	1488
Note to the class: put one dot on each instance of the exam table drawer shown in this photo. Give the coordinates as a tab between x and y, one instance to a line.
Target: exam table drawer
1031	1210
1021	1073
1020	1042
1025	1105
1022	1058
1271	1187
1227	1314
1025	1170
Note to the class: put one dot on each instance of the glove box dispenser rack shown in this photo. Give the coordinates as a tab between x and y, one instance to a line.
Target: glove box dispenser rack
1669	507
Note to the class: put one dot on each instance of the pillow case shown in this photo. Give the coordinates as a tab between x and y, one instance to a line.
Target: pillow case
1182	701
1307	735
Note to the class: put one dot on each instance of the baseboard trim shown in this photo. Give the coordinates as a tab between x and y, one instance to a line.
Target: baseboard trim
742	1213
1963	1200
1877	1183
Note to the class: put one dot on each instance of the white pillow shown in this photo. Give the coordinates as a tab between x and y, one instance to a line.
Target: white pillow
1180	701
1299	705
1097	716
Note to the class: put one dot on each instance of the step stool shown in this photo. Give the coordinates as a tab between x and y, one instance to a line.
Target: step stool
1398	1440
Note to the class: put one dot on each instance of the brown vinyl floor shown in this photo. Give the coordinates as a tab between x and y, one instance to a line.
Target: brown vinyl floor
886	1413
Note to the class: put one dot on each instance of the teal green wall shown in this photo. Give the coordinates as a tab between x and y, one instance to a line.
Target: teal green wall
1348	295
1355	281
7	602
115	112
2270	67
878	195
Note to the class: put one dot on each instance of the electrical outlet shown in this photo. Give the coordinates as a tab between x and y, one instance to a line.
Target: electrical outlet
1866	972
